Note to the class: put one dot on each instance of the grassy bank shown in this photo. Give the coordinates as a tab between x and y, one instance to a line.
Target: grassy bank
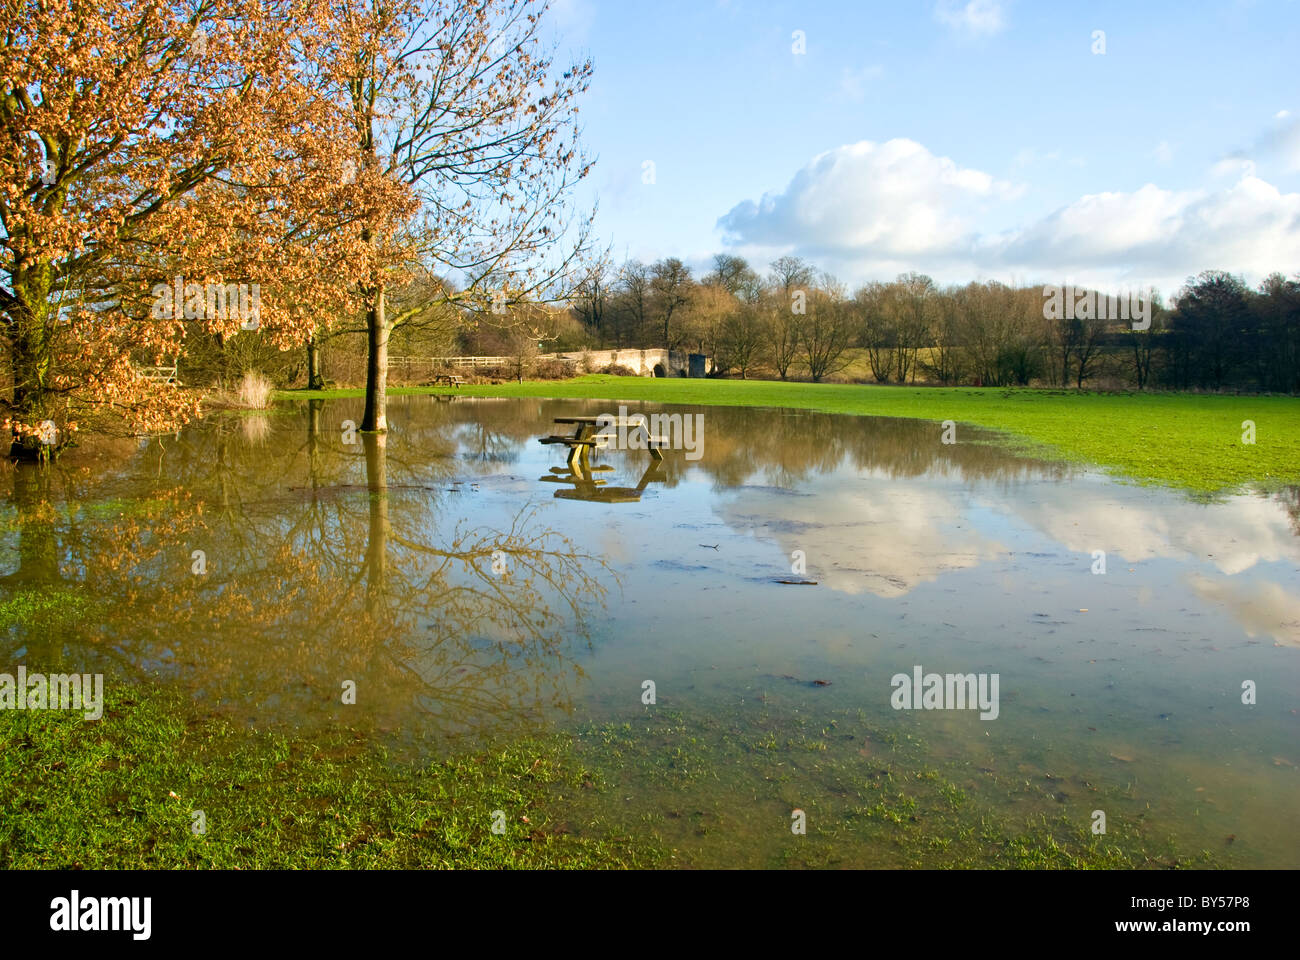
123	791
1189	441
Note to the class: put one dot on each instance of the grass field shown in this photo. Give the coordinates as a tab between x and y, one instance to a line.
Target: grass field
1189	441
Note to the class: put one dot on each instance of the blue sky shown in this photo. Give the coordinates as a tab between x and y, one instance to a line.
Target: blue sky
962	138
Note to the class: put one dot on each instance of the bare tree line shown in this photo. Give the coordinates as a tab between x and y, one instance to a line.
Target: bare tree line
799	322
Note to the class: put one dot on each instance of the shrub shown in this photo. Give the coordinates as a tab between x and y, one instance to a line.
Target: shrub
552	370
252	393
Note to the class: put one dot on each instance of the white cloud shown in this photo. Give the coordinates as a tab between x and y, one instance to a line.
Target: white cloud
894	198
981	18
1163	154
867	210
1250	226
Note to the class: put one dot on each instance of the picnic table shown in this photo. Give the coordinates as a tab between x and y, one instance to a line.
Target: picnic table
585	438
452	380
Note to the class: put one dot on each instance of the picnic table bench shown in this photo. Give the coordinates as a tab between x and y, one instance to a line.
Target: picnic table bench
585	437
453	380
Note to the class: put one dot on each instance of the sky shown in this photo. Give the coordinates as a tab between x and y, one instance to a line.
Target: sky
968	139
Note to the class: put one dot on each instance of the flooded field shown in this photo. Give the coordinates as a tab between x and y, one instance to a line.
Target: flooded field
724	634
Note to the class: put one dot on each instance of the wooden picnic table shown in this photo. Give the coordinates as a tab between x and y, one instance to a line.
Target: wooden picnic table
585	438
452	380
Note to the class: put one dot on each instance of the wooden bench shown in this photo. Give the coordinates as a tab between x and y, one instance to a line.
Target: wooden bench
574	441
452	380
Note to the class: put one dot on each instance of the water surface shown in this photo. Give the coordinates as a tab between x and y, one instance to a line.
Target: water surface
457	576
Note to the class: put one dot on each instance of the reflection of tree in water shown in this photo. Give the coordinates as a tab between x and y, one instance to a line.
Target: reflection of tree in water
312	584
1290	499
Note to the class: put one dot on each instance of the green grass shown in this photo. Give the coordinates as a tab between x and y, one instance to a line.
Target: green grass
1188	441
121	792
44	608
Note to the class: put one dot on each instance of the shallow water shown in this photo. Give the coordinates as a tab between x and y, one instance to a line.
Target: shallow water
466	595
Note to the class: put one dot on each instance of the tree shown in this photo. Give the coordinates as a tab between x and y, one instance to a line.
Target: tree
591	300
744	332
1276	310
632	304
671	287
733	274
1090	332
874	311
791	277
144	143
711	304
947	361
990	331
827	330
1143	342
1211	312
914	304
457	100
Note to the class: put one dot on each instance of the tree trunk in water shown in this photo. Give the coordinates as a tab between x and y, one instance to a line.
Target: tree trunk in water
375	417
377	544
314	379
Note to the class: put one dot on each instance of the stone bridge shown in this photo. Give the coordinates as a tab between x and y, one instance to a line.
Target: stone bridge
654	362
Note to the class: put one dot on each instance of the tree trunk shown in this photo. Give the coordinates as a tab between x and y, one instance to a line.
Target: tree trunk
314	379
375	417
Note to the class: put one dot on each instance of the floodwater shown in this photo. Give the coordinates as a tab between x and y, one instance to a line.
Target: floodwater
469	585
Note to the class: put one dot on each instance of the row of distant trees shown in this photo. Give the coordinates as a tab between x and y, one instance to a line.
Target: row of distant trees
797	321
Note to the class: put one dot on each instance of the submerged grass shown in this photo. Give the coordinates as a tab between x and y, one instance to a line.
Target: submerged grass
720	791
44	608
668	789
1189	441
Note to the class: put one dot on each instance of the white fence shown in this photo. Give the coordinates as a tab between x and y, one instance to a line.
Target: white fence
410	363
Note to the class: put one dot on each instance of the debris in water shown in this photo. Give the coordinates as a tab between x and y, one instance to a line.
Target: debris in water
799	583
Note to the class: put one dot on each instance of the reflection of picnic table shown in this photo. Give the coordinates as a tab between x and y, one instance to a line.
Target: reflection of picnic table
585	438
587	487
